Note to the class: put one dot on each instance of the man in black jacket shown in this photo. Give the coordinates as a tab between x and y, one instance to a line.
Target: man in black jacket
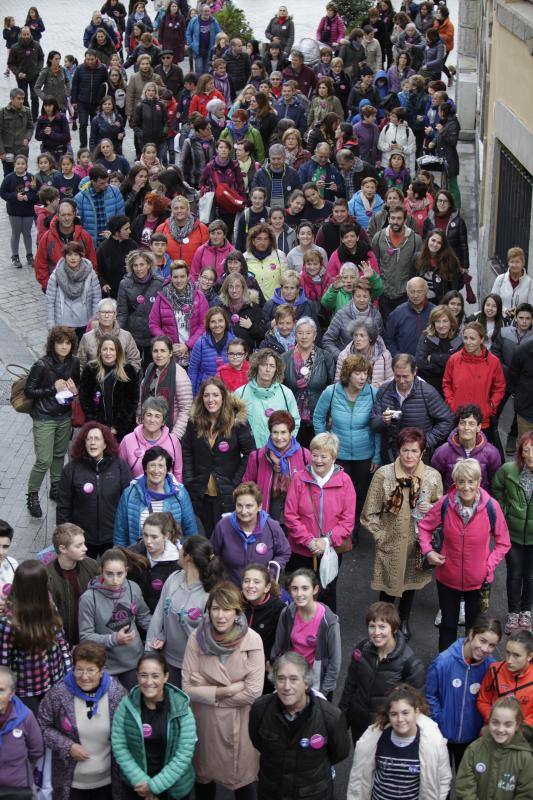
238	64
285	727
87	91
521	384
407	401
26	60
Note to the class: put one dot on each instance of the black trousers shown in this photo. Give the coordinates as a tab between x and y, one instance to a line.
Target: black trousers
28	87
359	472
306	432
210	512
102	793
519	560
95	550
449	602
406	602
456	751
207	791
85	113
388	304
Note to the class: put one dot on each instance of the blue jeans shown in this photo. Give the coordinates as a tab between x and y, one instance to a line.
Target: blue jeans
201	64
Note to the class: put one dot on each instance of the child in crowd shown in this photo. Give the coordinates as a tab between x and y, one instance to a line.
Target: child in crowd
158	246
69	575
83	162
235	372
499	764
311	629
8	564
396	174
150	160
49	199
116	178
513	676
67	181
262	608
47	170
11	36
313	277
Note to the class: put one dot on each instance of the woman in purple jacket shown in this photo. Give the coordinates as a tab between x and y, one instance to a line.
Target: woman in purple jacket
249	535
21	741
82	762
178	312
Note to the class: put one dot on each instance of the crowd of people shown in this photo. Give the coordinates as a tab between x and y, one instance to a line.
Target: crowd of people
257	353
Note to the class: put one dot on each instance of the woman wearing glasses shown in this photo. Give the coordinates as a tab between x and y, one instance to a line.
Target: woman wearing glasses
75	718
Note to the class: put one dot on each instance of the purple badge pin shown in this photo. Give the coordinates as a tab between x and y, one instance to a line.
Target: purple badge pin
186	308
147	730
194	613
157	584
261	548
140	299
269	412
88	488
304	742
223	447
235	318
317	741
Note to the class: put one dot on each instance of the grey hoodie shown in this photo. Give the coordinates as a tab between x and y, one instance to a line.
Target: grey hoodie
171	621
98	605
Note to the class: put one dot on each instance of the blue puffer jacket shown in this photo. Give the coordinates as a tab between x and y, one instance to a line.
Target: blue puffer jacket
357	209
205	359
452	687
114	204
192	34
352	425
127	530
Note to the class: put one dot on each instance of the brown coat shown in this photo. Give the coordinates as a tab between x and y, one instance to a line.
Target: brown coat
135	87
395	535
224	752
89	345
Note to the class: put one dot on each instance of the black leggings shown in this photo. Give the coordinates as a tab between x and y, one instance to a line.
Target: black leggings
207	791
519	561
359	472
449	602
406	602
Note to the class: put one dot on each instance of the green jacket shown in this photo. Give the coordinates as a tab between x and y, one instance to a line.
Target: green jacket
507	490
335	299
490	771
253	136
177	776
15	126
63	593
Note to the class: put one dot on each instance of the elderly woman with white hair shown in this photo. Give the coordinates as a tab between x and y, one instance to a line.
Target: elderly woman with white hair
308	370
462	556
320	509
105	324
276	744
367	342
137	293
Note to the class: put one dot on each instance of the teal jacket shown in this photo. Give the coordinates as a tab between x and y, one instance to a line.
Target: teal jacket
177	776
509	493
357	440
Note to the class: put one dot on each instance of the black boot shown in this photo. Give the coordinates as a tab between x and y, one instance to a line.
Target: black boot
34	507
54	491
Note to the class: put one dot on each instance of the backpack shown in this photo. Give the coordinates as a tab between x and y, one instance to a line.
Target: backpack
18	399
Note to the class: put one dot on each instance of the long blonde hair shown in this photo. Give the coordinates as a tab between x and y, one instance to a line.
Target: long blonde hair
120	372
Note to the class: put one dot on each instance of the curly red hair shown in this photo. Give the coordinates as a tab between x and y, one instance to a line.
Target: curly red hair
78	448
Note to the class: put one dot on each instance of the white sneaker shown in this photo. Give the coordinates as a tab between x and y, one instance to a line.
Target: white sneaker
524	620
511	624
438	618
462	613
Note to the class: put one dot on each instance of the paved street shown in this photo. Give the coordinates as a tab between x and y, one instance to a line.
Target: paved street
23	330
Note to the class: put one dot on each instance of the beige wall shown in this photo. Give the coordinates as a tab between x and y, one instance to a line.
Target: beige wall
508	119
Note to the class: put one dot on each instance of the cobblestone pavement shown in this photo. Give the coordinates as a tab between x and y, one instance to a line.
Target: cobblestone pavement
23	331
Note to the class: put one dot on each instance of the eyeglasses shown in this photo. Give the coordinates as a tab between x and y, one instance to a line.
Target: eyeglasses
236	355
106	313
91	672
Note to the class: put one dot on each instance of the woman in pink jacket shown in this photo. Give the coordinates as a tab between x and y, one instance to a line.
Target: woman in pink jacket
320	507
152	432
214	252
331	28
272	467
178	312
464	562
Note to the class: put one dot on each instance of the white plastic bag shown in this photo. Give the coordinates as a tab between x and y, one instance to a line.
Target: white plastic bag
329	565
205	207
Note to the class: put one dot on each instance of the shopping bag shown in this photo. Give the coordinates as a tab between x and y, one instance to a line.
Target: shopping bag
329	565
205	207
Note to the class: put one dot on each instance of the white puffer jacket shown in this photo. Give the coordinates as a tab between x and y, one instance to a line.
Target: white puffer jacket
435	771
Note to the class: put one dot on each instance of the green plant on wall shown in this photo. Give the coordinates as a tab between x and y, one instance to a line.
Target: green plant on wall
353	12
233	22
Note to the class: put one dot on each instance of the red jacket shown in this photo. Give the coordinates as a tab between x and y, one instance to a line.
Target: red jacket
200	101
50	250
469	559
233	378
474	379
498	682
312	512
186	249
